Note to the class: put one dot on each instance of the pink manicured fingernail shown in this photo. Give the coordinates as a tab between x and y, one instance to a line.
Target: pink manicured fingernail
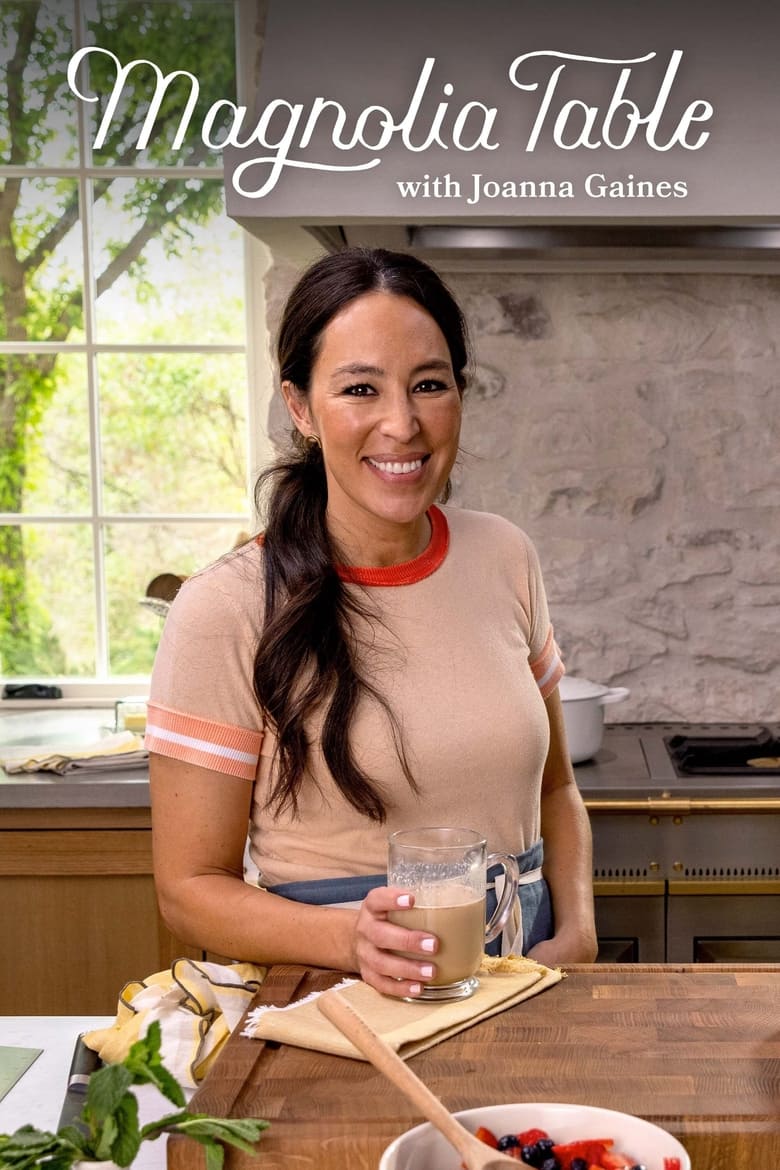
403	900
428	944
414	988
426	972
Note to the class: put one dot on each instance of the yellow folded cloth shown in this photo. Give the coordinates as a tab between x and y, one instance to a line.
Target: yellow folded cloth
123	750
198	1006
409	1028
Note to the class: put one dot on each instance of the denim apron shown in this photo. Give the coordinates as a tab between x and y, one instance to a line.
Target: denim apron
531	923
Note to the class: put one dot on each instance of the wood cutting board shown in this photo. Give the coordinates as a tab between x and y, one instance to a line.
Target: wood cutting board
694	1048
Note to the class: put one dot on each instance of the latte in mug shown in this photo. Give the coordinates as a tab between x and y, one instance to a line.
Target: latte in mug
457	919
446	870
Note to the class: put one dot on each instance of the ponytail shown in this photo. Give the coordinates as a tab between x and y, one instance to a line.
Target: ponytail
306	657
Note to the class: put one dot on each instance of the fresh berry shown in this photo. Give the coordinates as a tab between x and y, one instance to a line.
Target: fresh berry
590	1150
540	1154
540	1151
614	1161
530	1137
487	1136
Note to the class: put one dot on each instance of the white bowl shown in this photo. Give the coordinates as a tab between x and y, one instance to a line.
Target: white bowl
423	1148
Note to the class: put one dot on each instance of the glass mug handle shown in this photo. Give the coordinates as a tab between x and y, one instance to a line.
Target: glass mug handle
508	895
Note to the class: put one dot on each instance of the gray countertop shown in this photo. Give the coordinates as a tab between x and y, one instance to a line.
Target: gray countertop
632	763
114	788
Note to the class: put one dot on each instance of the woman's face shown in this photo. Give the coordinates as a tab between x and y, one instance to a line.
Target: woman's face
386	408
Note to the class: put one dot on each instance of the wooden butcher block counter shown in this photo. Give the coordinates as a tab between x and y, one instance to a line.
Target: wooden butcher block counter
694	1048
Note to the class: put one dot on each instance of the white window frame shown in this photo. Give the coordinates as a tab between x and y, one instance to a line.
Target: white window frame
103	689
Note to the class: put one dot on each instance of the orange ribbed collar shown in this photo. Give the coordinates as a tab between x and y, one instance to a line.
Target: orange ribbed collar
408	572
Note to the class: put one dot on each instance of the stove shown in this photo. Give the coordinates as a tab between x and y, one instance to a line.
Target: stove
686	841
737	755
686	760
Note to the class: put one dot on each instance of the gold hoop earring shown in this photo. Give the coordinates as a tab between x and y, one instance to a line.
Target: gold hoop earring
312	441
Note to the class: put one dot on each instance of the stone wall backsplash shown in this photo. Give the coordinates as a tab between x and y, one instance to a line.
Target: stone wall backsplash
630	423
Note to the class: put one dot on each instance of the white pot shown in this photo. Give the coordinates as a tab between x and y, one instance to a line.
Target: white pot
583	704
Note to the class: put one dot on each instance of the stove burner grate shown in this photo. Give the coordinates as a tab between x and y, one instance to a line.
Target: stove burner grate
746	755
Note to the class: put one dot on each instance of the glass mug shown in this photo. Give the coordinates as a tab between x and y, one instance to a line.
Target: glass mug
446	870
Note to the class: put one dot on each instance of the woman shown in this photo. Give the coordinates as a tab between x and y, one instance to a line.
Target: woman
373	662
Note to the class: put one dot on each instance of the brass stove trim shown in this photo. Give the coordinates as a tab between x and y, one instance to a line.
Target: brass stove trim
679	804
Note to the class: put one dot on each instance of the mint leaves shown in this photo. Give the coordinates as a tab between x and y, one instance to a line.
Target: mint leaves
109	1129
144	1064
30	1147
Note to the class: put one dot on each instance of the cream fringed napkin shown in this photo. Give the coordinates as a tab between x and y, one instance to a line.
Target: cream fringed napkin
122	750
409	1028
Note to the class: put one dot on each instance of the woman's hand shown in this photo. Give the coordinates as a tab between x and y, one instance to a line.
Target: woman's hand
376	942
572	946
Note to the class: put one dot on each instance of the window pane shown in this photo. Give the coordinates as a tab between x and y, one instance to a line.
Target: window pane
48	613
39	127
174	432
194	36
46	240
57	476
187	284
135	555
168	269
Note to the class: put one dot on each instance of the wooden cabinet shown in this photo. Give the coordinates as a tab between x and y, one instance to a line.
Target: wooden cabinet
78	909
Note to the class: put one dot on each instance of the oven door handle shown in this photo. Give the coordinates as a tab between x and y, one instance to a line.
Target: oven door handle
729	886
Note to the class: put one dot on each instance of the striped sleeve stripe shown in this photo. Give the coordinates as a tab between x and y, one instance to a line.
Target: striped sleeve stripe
219	746
548	668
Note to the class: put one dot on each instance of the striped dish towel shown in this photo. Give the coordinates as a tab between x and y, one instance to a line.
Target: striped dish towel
198	1005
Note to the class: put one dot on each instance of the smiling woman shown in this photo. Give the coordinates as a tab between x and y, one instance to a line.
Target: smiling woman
387	423
371	663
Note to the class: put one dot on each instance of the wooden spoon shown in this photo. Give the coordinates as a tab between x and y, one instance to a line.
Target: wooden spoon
475	1154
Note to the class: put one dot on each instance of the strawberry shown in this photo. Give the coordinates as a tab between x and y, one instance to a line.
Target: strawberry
615	1161
530	1137
487	1136
590	1150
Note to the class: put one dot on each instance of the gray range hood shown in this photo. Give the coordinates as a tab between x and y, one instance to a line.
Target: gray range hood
614	247
518	135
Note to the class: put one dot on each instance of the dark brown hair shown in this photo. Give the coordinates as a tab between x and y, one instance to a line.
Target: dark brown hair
307	652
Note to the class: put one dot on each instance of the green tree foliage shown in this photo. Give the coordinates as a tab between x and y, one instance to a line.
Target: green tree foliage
41	297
